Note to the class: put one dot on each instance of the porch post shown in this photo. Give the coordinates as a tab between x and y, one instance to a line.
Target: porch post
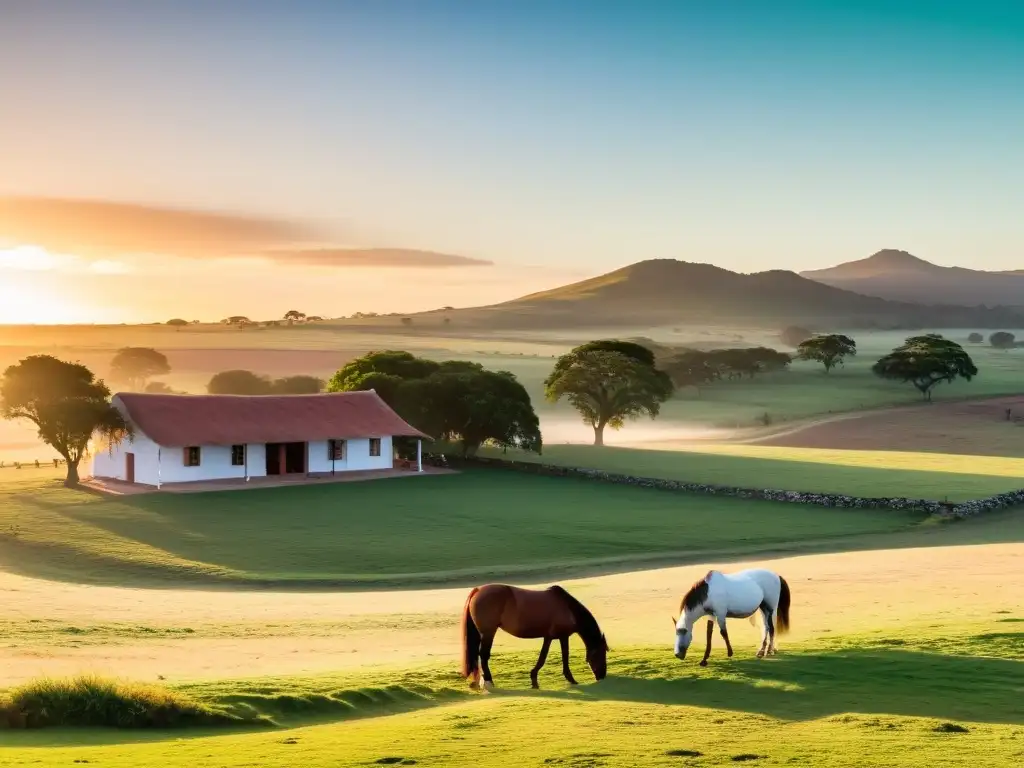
158	476
419	454
245	460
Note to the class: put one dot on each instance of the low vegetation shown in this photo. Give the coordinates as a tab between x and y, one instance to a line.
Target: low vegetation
84	702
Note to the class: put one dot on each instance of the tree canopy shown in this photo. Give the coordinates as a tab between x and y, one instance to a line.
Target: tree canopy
696	368
297	385
453	400
177	321
830	350
609	382
1002	340
239	382
975	338
137	365
67	404
924	361
294	315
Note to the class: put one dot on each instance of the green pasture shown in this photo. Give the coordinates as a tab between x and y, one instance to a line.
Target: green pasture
416	530
921	695
855	473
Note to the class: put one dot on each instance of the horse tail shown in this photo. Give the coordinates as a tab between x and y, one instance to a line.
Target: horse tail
470	642
782	622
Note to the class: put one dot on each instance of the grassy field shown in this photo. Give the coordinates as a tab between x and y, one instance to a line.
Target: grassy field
923	696
856	473
455	528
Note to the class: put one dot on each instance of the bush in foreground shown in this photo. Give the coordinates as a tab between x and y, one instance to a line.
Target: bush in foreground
95	701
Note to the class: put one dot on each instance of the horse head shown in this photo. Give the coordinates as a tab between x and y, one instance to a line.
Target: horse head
597	658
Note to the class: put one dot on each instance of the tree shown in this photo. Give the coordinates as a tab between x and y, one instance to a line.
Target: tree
794	336
67	404
136	365
1002	340
975	338
297	385
239	382
692	368
608	387
829	350
388	362
293	315
160	388
472	406
177	322
406	321
236	320
924	361
456	400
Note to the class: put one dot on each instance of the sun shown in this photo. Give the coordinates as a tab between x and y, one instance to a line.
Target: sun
32	289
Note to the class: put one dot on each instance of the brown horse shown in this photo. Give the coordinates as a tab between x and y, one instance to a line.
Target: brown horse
550	614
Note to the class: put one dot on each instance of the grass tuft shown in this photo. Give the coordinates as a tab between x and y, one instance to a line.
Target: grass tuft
100	702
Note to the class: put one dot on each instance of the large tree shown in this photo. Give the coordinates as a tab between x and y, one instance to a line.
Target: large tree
239	382
135	366
924	361
67	404
607	387
455	400
829	349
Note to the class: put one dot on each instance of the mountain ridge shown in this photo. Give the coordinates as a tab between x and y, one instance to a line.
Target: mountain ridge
900	276
668	291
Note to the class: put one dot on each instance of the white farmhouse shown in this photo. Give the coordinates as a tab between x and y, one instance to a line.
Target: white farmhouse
187	438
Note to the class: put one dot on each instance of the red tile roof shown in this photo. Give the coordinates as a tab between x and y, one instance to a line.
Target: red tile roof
181	420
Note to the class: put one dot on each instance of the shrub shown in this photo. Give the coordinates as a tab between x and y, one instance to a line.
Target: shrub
96	701
975	338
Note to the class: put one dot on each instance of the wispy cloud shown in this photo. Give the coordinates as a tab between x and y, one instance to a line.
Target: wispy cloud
374	257
33	258
106	233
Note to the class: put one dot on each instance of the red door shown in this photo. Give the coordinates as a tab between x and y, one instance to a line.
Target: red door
129	467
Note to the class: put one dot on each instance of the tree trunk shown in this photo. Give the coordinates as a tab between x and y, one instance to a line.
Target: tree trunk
72	481
599	434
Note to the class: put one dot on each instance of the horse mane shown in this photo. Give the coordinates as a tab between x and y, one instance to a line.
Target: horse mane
586	624
697	595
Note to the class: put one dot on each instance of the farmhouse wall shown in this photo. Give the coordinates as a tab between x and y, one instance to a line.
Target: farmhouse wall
215	461
357	456
963	509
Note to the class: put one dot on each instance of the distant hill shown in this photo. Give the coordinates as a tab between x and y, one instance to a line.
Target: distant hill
897	275
665	292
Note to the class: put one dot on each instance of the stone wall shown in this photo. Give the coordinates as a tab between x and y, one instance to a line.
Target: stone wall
943	509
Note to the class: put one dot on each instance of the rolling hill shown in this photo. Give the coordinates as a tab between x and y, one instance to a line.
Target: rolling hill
666	291
900	276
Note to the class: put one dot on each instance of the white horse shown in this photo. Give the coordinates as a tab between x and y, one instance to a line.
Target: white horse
734	596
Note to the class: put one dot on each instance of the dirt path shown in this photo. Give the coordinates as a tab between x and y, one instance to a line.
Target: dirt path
64	629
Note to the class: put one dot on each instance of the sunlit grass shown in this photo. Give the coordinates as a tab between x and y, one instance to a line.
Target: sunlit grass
915	696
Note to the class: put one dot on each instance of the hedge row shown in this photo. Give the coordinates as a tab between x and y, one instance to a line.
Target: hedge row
944	509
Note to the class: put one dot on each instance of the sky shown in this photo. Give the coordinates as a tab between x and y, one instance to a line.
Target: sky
204	158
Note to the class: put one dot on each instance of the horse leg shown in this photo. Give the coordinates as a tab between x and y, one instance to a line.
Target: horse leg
725	635
564	642
540	662
766	615
707	650
770	622
485	657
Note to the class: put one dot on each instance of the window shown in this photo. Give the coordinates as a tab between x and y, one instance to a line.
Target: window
192	456
335	450
237	455
375	446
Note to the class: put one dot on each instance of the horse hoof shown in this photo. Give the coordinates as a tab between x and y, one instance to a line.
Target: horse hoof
704	663
760	654
489	685
535	687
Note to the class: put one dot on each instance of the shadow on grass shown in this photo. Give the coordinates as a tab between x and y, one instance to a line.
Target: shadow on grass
809	686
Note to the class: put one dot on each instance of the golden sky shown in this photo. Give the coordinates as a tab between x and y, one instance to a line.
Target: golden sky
81	261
